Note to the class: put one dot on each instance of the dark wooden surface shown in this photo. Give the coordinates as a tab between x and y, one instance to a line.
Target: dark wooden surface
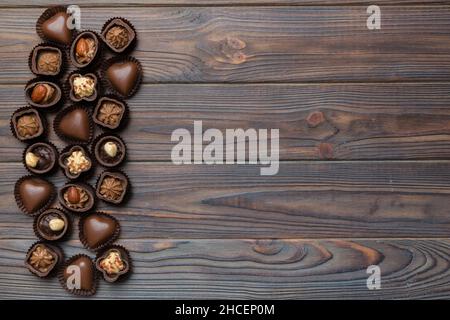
378	195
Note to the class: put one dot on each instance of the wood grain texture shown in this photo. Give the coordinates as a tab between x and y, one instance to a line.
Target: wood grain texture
271	44
305	200
213	3
361	121
250	269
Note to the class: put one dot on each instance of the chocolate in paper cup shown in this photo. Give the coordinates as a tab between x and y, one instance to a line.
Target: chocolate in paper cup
69	133
41	123
77	208
64	36
124	256
42	229
101	155
41	146
103	239
54	103
116	65
106	114
67	152
55	252
90	281
75	45
69	88
39	205
115	174
127	27
33	57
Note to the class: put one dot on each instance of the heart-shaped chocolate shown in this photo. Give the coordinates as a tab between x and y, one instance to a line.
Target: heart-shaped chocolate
34	193
98	229
123	76
75	124
83	266
55	28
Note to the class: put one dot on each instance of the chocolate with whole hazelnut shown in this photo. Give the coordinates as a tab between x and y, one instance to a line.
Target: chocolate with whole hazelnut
84	49
109	150
51	224
77	197
40	157
42	94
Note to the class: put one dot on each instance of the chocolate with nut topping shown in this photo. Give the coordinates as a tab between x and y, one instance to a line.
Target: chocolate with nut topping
40	157
52	224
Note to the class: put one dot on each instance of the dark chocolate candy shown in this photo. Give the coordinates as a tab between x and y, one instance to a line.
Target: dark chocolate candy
74	124
109	150
40	157
113	262
55	28
123	76
112	186
42	258
98	229
84	265
33	193
77	197
52	224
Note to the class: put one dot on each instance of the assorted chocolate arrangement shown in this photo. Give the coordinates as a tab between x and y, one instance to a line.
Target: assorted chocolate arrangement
95	92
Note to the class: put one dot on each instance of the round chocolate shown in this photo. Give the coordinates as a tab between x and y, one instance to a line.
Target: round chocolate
43	94
46	60
75	161
52	224
52	26
83	87
27	124
84	49
40	157
123	75
77	197
74	124
109	150
118	34
112	186
113	262
42	258
97	230
33	194
78	276
109	112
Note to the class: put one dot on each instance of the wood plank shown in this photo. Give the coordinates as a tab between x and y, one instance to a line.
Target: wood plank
305	200
153	3
265	44
249	269
362	121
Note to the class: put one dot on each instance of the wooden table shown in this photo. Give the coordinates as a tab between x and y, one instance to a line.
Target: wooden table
367	186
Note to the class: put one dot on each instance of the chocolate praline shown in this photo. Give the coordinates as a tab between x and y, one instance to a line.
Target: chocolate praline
97	230
27	124
118	35
42	258
77	197
83	87
112	187
123	75
75	161
74	124
82	266
33	194
109	150
113	262
40	157
52	25
43	94
109	112
46	60
84	49
51	225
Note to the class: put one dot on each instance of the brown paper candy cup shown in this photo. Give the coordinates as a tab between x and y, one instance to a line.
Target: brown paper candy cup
83	236
42	123
100	155
110	86
52	165
32	57
125	255
132	35
105	118
57	254
47	14
19	199
57	237
63	135
114	173
75	291
55	103
66	153
69	91
90	204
